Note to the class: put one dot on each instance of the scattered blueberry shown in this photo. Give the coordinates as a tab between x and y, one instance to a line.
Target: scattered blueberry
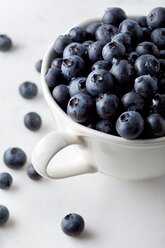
4	214
57	62
5	180
155	18
146	86
114	16
77	85
61	94
53	77
32	173
39	65
113	50
105	126
155	125
147	64
32	121
72	224
78	34
5	43
28	90
106	32
14	158
61	42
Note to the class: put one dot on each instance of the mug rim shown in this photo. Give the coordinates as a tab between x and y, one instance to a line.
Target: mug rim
86	131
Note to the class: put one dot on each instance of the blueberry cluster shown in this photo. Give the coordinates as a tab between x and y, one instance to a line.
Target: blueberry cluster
110	75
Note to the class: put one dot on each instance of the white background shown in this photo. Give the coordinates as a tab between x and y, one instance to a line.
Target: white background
118	214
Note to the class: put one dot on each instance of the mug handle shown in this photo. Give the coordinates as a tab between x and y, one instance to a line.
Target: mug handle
49	146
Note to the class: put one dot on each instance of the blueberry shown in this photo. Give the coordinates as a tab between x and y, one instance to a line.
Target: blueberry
72	224
124	73
61	42
147	64
162	54
73	66
133	29
91	28
4	214
113	50
32	121
101	64
107	106
162	65
32	173
57	62
80	107
155	125
5	180
158	37
147	47
132	57
114	16
28	90
161	85
99	81
155	18
146	34
146	86
105	126
39	65
130	125
5	43
78	34
106	32
95	51
77	85
142	21
158	104
133	101
53	77
61	94
75	48
125	39
14	158
87	43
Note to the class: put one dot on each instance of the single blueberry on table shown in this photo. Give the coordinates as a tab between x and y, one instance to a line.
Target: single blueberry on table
77	85
39	65
91	28
101	64
57	62
14	158
80	107
73	224
158	104
4	214
113	50
5	43
130	125
28	90
106	32
147	47
114	16
5	180
107	106
125	39
155	125
32	121
78	34
32	173
73	66
133	101
53	77
61	42
158	37
147	64
105	126
95	51
99	81
61	94
142	21
155	18
74	48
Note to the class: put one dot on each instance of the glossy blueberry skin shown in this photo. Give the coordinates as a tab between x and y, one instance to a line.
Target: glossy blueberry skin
32	121
32	173
113	50
57	62
130	125
5	180
132	57
105	126
77	85
61	94
91	28
53	77
147	64
146	34
78	34
132	28
125	39
146	86
4	214
155	125
114	16
158	37
80	107
106	32
101	64
61	42
124	73
147	47
73	66
158	104
155	18
14	158
142	21
75	48
38	65
28	90
99	81
107	106
73	224
5	43
133	101
95	51
87	43
162	54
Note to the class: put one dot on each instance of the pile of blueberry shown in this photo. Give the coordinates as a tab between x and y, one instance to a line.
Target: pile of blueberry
110	75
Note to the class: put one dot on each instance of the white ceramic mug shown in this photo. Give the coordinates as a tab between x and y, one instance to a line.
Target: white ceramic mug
98	152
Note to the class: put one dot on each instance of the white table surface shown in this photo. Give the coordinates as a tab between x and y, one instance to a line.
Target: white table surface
118	214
